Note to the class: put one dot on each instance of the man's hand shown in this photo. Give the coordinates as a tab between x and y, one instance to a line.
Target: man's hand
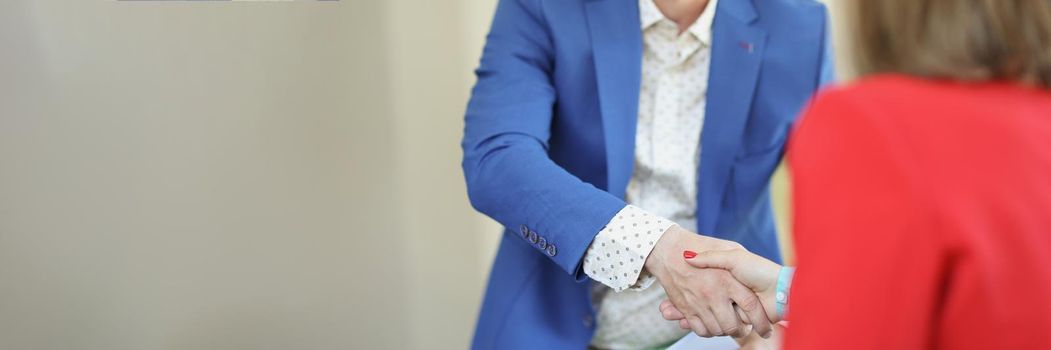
705	297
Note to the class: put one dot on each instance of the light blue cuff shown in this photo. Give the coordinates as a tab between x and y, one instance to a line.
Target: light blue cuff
784	283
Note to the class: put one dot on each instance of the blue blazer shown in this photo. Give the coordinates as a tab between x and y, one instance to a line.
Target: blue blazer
549	138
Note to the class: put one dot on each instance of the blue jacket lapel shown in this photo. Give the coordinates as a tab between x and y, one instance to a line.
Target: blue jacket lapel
616	43
737	51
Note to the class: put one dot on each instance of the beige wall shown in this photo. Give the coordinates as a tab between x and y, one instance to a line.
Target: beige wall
185	175
209	175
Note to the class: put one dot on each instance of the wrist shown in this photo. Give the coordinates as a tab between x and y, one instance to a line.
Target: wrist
775	298
784	283
656	261
768	298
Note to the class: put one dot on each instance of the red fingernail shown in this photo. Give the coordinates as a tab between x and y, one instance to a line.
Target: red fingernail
689	254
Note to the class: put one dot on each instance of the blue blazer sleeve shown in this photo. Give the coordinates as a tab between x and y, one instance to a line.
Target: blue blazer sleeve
509	175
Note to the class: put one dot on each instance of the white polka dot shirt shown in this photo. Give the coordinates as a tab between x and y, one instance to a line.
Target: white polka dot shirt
664	182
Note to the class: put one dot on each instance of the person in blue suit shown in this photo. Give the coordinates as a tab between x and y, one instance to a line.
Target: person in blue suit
604	135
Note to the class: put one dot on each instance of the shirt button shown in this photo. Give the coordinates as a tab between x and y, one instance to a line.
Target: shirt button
532	237
542	243
551	251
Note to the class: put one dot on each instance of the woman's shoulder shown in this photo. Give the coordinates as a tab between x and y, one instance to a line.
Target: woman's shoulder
861	98
883	88
887	111
915	104
897	91
930	117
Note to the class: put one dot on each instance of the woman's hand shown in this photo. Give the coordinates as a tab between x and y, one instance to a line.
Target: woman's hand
755	272
754	342
707	297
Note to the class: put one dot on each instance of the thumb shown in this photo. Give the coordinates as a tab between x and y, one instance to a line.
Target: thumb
719	259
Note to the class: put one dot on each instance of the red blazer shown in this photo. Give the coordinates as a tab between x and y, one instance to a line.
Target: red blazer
923	217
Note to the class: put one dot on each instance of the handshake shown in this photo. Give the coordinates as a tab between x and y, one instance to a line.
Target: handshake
715	287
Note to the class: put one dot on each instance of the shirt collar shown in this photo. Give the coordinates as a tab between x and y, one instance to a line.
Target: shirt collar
649	15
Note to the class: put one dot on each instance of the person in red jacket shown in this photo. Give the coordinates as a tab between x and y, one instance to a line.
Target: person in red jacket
922	192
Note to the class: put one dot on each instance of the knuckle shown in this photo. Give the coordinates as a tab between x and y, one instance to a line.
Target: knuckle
748	302
708	295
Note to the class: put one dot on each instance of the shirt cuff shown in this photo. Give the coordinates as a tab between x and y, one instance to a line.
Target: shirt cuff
618	253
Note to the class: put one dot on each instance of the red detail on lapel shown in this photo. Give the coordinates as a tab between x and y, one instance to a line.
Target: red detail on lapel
747	46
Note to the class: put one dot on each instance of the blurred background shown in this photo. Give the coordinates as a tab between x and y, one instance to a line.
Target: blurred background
241	175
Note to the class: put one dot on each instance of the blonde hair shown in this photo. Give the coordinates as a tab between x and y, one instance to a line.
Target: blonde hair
966	40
